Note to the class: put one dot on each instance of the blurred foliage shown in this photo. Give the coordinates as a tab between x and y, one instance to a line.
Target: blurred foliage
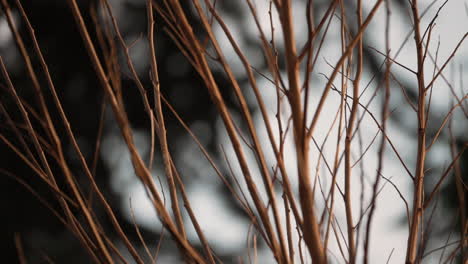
82	98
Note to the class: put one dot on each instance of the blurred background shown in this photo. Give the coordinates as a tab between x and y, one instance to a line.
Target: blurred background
222	218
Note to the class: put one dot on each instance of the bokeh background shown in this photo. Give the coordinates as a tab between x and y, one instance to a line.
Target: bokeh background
223	220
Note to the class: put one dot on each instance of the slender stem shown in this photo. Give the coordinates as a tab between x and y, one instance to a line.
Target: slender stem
349	135
310	228
415	227
381	151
